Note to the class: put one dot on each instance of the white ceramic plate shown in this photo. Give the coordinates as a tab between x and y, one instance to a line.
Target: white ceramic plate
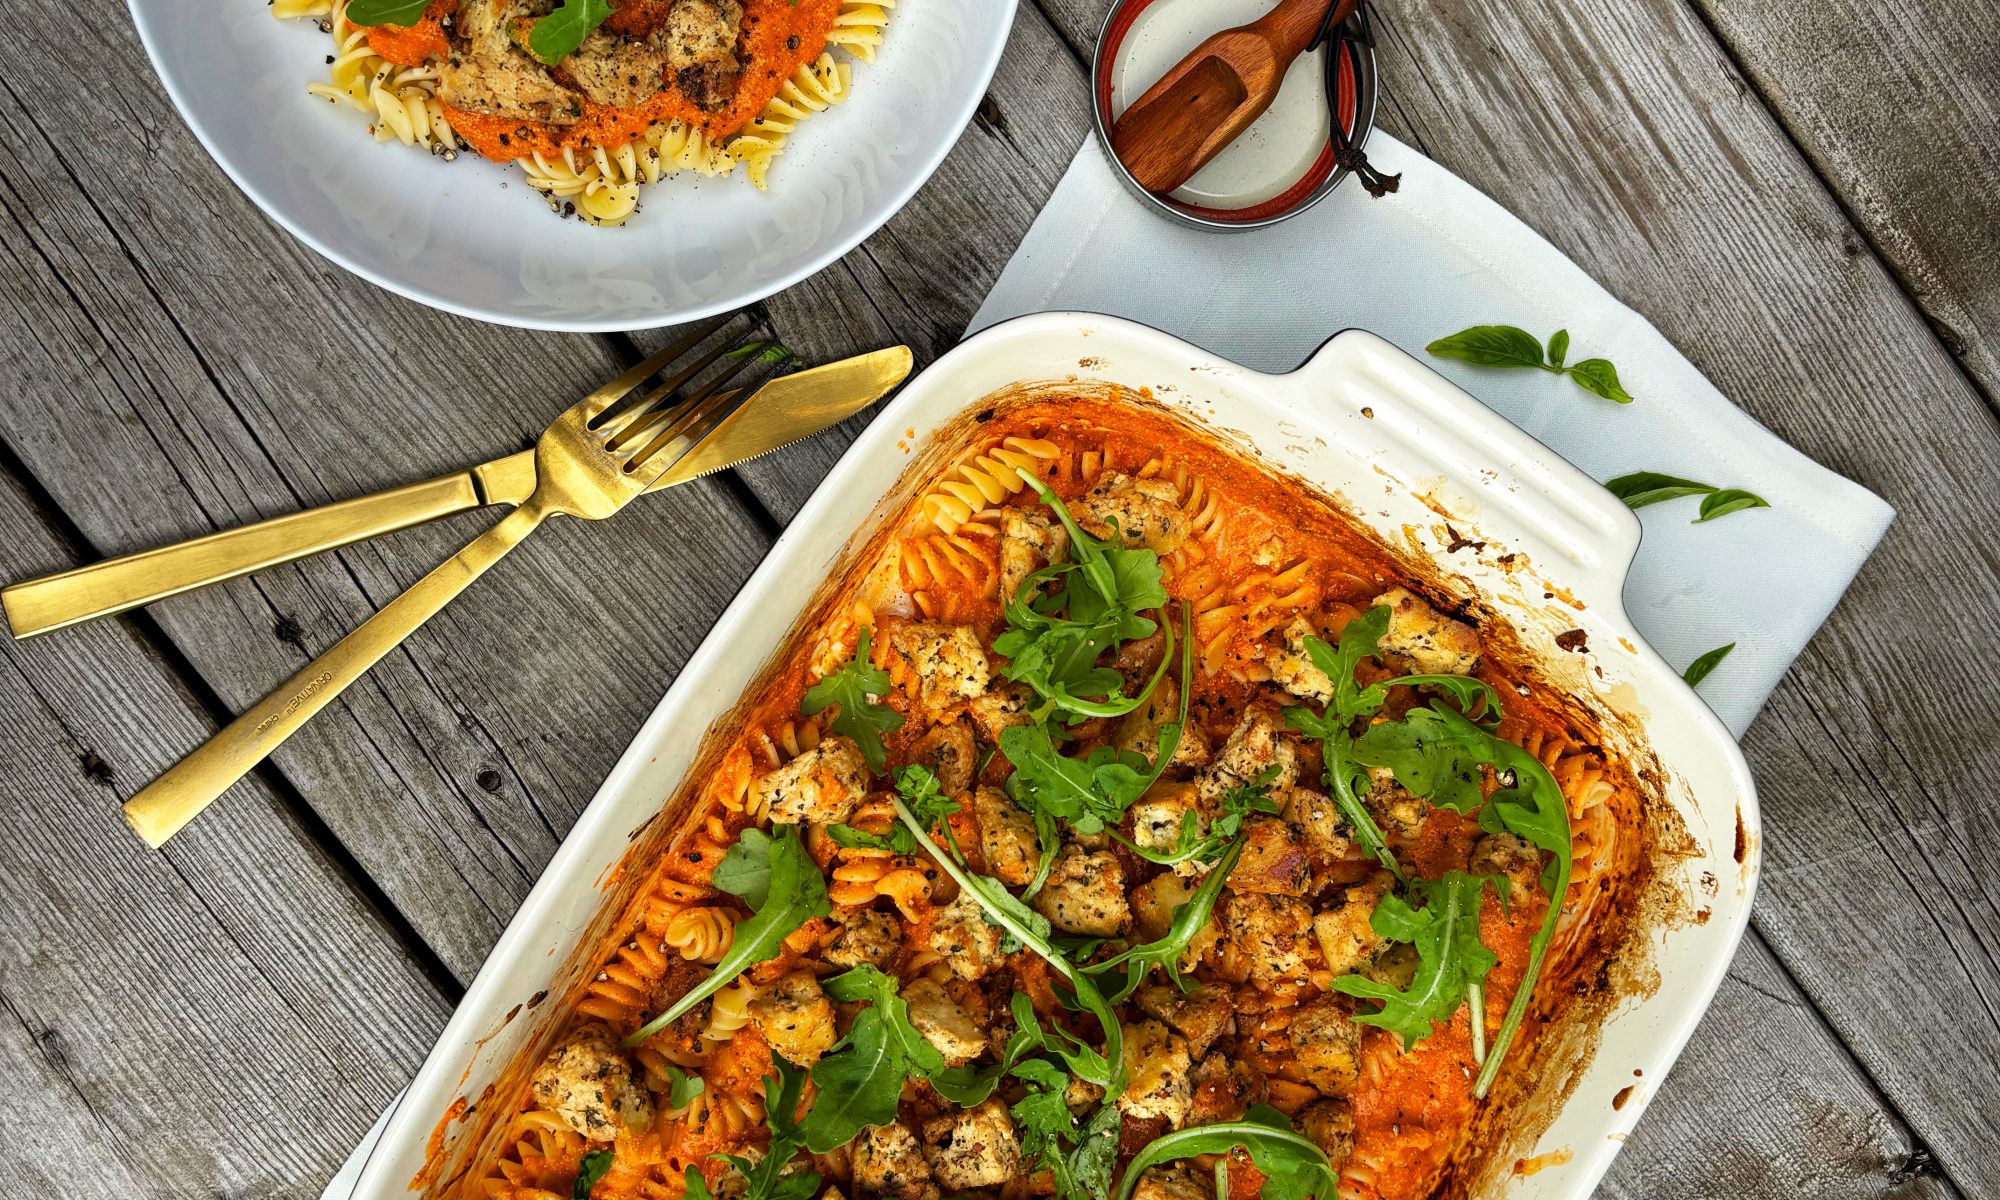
1396	443
450	235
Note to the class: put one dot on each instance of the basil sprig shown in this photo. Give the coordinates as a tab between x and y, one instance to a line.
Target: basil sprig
1641	488
782	885
1294	1166
1507	346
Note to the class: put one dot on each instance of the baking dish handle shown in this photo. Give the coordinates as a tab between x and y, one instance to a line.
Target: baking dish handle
1400	410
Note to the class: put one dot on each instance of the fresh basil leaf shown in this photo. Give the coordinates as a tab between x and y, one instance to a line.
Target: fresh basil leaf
794	893
1641	488
387	12
589	1171
1727	501
1558	347
1490	346
1451	960
557	35
852	686
1699	669
1294	1166
1599	376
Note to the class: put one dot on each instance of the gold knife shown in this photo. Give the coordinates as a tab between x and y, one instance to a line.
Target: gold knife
785	410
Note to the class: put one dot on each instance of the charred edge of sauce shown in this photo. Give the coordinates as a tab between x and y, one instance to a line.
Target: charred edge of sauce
1618	1101
1742	837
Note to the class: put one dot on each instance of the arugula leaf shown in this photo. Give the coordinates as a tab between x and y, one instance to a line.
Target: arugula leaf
1430	758
1507	346
1727	501
850	686
745	869
1166	952
1641	488
794	893
1096	1153
968	1087
683	1086
920	788
861	1079
387	12
589	1171
697	1184
1294	1166
1031	929
562	31
1043	1120
1699	669
766	1178
1450	957
1195	845
1599	376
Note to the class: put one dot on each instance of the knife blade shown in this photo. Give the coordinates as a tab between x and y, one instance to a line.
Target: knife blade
785	410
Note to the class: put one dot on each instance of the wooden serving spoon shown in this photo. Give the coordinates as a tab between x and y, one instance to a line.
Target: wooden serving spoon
1212	95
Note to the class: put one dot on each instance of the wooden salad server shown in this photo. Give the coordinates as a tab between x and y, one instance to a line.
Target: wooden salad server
1212	96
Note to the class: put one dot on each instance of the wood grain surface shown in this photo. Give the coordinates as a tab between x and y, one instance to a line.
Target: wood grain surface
1714	166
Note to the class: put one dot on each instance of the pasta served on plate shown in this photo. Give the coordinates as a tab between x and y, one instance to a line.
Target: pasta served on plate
595	98
1124	823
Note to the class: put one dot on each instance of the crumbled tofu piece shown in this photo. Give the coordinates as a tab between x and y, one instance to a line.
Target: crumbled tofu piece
1153	905
866	936
942	1022
822	786
1224	1089
969	943
1273	859
701	38
620	72
1326	1045
1270	935
1329	1124
1344	931
947	752
1512	856
1006	705
1200	1016
1158	1071
1177	1182
1319	822
1421	640
1394	967
887	1161
1394	808
1006	837
1253	748
1085	894
1139	730
973	1149
1081	1095
1134	512
1292	668
1155	820
1030	539
948	662
796	1018
589	1083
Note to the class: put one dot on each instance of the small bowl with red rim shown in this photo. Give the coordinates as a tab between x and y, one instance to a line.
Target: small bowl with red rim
1289	158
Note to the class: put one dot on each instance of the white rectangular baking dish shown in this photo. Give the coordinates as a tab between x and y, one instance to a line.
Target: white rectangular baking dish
1422	464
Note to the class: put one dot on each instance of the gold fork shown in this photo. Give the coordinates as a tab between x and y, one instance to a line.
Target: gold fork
592	461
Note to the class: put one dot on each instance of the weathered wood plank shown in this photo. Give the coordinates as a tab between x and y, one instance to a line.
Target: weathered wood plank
223	1018
213	371
1897	109
1621	131
1802	1119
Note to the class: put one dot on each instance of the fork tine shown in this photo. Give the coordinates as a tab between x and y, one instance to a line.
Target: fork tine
599	405
643	426
695	423
655	399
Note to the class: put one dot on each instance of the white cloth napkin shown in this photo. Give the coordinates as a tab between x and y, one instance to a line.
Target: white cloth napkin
1430	260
